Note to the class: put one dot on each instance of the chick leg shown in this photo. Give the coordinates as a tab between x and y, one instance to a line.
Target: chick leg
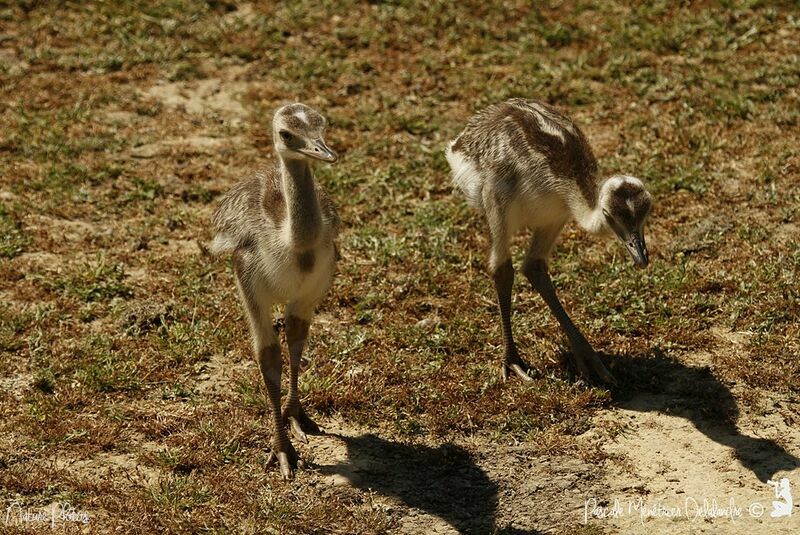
584	356
503	274
503	283
293	414
268	354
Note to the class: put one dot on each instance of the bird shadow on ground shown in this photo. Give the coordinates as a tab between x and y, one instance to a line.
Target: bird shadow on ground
655	383
443	481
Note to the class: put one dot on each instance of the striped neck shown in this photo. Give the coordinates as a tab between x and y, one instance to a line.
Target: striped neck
302	204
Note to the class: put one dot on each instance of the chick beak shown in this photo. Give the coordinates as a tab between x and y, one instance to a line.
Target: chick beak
318	150
638	249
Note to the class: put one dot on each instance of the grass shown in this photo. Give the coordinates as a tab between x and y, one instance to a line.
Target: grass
14	239
108	322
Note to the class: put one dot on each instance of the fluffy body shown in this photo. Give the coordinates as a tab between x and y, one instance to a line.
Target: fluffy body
525	165
529	162
250	221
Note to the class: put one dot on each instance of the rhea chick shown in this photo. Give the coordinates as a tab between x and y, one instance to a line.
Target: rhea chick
525	165
280	226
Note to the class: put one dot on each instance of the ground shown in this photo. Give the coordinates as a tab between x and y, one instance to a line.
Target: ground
129	396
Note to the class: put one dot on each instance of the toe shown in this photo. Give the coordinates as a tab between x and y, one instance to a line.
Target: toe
285	465
520	372
297	430
298	421
308	425
513	363
580	365
602	371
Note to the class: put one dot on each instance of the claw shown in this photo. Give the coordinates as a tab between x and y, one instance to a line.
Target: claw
297	430
518	370
286	469
300	424
580	359
518	366
288	461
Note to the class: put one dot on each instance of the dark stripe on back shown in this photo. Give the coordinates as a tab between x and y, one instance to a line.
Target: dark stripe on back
571	158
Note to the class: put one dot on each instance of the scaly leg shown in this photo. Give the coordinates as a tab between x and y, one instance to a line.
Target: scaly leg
503	283
268	354
503	274
282	450
536	272
293	413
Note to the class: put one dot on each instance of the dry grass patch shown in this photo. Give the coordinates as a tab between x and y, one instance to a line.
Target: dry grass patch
123	122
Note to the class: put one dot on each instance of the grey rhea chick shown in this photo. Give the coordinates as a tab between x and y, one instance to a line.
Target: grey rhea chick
280	227
525	165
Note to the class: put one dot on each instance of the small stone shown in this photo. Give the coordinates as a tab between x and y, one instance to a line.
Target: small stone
427	323
338	480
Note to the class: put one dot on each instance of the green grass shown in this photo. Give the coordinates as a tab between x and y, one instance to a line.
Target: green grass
13	239
98	281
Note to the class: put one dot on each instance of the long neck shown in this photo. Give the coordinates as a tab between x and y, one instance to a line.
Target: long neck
302	204
590	218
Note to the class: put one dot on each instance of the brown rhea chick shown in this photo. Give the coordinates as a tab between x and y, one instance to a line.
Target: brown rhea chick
526	166
279	226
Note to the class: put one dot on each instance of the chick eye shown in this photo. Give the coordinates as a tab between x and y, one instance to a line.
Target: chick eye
286	136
